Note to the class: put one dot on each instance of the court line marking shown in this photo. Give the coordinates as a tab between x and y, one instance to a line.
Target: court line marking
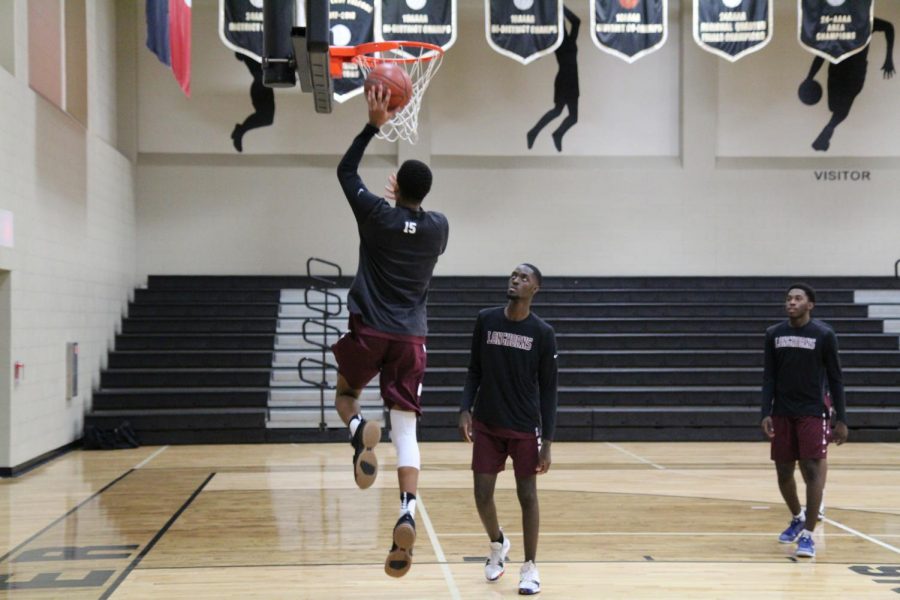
146	549
149	458
79	505
438	551
653	534
568	561
633	455
649	534
868	538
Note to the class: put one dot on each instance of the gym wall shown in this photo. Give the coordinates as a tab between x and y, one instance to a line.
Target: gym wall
680	164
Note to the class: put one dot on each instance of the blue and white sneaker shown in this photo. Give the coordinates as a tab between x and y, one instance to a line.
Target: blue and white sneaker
790	535
529	579
806	547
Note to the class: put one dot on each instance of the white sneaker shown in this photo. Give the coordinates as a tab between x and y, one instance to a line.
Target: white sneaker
494	566
529	579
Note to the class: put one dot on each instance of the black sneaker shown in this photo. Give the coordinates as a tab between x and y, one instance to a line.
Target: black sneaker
365	463
399	559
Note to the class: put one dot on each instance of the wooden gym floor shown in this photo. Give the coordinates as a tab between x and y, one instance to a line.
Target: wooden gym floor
623	520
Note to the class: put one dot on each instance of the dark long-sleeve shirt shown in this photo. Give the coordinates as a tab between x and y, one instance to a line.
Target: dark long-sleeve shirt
398	249
512	373
798	362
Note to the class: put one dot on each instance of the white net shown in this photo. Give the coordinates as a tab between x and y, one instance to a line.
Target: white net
420	66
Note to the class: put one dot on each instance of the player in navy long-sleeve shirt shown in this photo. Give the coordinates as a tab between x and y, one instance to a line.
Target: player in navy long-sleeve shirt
801	355
509	409
398	248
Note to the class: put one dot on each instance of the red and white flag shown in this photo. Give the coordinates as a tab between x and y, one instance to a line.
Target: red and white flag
180	42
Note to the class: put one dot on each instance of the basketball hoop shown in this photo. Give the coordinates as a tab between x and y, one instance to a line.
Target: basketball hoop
420	60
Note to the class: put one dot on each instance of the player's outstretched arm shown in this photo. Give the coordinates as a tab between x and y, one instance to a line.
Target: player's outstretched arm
361	200
888	67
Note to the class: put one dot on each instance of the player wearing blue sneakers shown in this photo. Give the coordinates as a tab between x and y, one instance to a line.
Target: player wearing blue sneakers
801	358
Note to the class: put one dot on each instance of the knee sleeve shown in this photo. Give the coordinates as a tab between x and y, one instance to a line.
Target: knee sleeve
403	435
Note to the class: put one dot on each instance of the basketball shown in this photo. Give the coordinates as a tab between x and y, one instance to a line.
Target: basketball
810	91
394	78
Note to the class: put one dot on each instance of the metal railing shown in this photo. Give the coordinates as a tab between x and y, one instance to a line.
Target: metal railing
326	310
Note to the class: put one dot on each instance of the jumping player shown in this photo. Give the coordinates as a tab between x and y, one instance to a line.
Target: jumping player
509	409
398	248
801	355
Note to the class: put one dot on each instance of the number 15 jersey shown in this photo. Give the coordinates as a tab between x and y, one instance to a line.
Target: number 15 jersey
398	250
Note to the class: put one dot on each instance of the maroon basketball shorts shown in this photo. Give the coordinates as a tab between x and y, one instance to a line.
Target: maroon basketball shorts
362	353
494	444
800	438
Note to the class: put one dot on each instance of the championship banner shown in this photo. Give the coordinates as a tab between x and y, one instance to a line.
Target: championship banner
629	29
835	29
352	24
524	30
429	21
241	24
732	29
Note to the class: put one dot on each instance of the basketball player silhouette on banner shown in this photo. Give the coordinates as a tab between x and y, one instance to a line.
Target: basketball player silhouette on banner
845	82
565	86
263	99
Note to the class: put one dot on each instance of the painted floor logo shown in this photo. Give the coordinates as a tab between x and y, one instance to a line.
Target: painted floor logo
889	574
48	566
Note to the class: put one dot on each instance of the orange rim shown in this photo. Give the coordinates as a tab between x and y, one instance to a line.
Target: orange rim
372	47
342	54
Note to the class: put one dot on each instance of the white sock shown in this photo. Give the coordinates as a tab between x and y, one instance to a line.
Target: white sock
408	504
355	420
801	515
806	533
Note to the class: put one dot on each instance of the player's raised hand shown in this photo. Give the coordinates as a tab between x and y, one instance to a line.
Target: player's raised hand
378	97
390	190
